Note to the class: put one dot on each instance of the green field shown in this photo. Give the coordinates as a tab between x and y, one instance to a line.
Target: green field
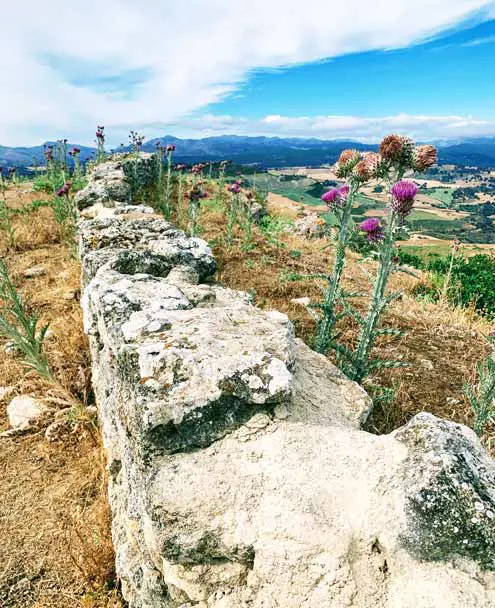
306	191
296	189
444	195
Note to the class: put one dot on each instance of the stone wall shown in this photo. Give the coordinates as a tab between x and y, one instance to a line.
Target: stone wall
238	473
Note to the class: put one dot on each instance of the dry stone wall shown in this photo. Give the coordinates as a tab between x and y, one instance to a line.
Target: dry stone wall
238	473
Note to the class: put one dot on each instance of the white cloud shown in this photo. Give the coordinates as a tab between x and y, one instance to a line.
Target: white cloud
193	53
370	130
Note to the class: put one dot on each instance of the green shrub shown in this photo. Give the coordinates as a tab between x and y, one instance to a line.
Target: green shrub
475	277
410	259
472	281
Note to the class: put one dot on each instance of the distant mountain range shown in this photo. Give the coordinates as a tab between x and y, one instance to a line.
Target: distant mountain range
268	151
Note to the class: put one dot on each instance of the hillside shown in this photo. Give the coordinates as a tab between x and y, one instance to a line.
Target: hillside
268	151
54	512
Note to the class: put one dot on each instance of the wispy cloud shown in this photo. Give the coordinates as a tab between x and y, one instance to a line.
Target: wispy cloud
334	127
478	41
121	62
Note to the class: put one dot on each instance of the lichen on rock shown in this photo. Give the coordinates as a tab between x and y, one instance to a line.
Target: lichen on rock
238	473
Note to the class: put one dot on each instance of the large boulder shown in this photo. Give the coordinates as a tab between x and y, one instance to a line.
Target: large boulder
239	475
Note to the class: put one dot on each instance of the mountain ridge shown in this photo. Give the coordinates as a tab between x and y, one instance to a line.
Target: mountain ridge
266	152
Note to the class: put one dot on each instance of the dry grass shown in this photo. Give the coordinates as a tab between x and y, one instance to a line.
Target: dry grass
442	344
56	547
54	523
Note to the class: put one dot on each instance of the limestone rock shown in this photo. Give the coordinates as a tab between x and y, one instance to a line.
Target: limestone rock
35	271
238	473
310	225
126	209
107	185
151	245
23	410
258	212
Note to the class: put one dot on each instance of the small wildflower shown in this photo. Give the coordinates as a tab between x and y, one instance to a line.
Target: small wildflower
373	229
403	193
170	148
424	157
64	190
235	188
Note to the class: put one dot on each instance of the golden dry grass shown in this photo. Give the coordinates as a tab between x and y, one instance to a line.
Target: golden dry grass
56	549
441	343
54	523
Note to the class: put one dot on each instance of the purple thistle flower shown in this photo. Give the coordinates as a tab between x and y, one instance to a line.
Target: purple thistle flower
170	148
336	196
403	194
64	190
235	188
373	229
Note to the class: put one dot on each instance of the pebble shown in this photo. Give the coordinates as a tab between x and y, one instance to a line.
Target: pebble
35	271
23	410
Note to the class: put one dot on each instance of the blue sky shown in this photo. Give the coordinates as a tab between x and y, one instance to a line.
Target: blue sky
319	68
452	74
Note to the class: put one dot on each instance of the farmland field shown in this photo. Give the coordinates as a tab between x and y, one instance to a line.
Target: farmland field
435	216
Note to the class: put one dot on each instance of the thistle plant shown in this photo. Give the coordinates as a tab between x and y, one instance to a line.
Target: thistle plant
194	201
5	219
357	169
179	169
136	141
481	393
233	210
100	144
398	155
197	172
12	175
77	174
65	215
62	156
248	218
170	149
20	327
220	197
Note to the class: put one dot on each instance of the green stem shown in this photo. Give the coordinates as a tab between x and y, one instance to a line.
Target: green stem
377	303
180	195
168	191
327	323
